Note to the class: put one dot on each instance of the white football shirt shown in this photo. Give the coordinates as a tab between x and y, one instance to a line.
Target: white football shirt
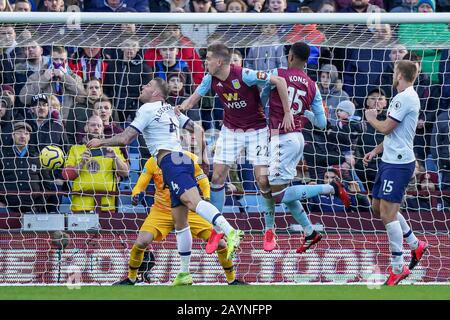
159	125
398	145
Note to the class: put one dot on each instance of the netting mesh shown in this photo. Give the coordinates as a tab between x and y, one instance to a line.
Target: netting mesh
352	63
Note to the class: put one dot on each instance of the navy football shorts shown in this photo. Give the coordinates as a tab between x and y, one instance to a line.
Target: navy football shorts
178	174
391	181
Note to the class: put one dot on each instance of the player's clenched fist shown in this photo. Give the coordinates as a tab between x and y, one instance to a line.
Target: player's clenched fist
371	114
368	157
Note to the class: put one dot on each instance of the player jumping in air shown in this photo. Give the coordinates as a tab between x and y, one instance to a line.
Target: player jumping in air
159	221
159	124
286	148
244	123
396	168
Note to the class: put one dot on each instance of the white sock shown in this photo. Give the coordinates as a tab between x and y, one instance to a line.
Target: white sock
395	235
408	234
210	213
184	246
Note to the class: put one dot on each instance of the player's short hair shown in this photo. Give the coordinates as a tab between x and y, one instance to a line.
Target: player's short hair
163	87
408	69
220	50
301	51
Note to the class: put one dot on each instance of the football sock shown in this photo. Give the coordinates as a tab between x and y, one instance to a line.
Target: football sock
299	214
227	264
136	258
408	234
395	235
269	212
210	213
218	196
184	246
302	192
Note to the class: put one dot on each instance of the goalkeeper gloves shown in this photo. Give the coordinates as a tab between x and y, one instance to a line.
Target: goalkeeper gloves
136	199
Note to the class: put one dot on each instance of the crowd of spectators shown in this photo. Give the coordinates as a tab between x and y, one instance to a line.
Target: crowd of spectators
66	95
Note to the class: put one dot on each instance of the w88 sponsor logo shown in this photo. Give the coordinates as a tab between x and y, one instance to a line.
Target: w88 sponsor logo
236	104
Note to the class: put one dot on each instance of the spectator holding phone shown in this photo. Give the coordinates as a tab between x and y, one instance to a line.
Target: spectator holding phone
94	170
57	79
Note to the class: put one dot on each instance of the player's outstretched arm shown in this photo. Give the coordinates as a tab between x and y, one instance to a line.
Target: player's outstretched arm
280	83
189	102
122	139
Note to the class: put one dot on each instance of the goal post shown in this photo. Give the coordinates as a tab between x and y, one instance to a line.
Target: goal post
352	58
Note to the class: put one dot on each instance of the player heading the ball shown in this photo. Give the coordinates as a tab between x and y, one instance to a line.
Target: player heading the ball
159	124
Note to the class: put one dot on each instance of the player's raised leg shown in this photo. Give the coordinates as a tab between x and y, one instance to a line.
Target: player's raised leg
178	173
202	230
191	198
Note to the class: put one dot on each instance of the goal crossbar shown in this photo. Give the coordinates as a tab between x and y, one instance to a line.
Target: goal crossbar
222	18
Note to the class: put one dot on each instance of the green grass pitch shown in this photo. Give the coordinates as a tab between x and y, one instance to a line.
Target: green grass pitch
221	292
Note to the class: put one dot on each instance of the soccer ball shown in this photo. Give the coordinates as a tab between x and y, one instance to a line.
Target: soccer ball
52	157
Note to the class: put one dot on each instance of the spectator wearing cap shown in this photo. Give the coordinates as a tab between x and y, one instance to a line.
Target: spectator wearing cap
46	130
124	79
6	127
118	5
20	171
172	64
89	62
58	79
330	87
419	35
369	137
186	52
